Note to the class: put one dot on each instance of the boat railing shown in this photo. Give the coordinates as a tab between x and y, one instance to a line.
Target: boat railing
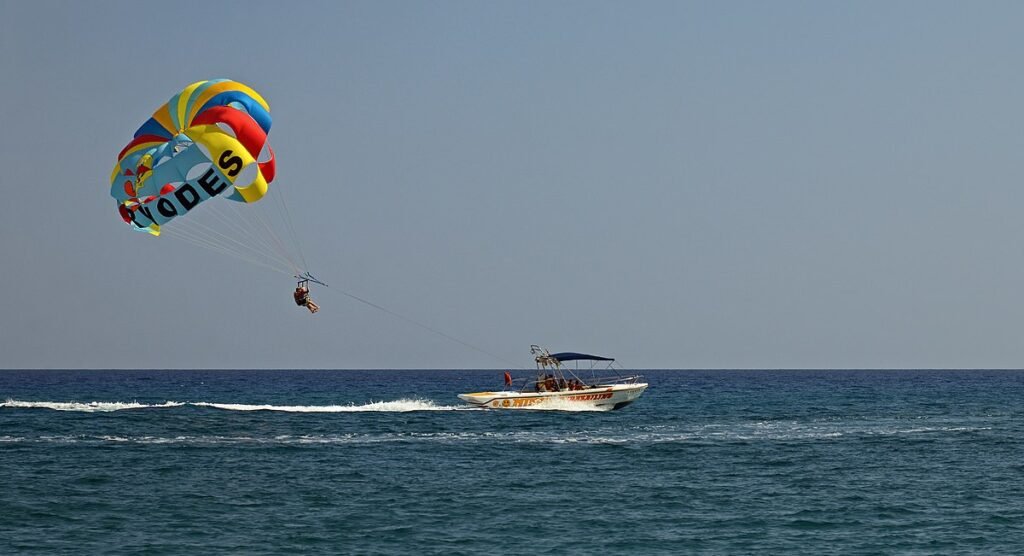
616	379
585	383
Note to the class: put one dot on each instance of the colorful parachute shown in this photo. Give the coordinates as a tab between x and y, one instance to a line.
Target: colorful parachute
208	140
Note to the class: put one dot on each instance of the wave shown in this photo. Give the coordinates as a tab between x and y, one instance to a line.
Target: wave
519	437
382	406
89	407
613	436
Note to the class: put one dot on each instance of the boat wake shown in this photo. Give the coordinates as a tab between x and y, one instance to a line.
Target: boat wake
103	407
392	406
88	407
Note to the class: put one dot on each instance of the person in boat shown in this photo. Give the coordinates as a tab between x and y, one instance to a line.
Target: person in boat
508	379
302	298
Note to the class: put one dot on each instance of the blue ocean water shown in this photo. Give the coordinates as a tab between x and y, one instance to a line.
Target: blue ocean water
390	462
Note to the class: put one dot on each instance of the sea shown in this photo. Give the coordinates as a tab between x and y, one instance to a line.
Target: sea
794	462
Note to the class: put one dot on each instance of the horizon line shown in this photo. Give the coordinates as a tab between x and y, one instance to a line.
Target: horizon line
448	369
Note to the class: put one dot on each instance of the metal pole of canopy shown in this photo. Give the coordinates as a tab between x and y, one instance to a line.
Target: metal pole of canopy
307	277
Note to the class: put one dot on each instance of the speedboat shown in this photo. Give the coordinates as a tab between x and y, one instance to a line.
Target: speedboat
555	385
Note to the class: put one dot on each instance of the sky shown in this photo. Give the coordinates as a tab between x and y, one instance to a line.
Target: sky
674	184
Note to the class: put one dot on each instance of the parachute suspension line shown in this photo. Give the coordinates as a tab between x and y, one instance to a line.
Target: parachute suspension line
227	243
248	233
264	233
237	223
423	326
262	218
236	255
262	229
213	246
254	257
287	217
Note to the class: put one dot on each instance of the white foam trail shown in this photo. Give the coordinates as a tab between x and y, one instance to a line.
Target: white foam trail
395	406
392	406
89	407
382	406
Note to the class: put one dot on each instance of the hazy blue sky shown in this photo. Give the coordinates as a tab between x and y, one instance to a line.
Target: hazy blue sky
676	184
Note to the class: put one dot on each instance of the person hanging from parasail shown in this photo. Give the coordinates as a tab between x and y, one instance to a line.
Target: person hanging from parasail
302	298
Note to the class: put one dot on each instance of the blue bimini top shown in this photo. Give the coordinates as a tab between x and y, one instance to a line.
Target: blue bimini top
573	356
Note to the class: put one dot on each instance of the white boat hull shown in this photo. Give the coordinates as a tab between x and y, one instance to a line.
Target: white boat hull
607	396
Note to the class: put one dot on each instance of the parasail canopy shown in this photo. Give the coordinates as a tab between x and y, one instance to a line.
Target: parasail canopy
208	140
